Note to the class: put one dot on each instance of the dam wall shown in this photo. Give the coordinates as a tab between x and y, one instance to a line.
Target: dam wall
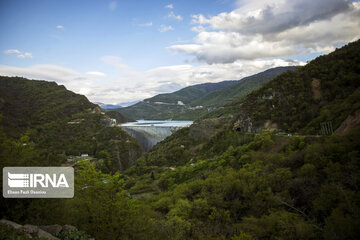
149	136
149	133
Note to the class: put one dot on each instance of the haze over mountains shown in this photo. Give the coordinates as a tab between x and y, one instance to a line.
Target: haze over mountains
114	106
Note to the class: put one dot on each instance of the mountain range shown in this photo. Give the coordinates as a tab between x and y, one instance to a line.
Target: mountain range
192	102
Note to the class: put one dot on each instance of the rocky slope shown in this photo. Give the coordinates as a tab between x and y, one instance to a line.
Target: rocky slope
11	230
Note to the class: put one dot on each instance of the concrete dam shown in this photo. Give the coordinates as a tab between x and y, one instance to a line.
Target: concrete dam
149	133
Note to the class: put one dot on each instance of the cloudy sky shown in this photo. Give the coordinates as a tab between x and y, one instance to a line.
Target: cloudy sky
126	50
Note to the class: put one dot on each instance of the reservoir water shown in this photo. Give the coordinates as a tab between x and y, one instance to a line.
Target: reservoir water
150	132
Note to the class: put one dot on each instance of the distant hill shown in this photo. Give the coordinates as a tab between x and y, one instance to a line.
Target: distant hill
171	105
61	123
189	94
192	102
240	89
108	106
127	104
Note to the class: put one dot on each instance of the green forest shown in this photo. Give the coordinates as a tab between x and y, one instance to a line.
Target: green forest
259	168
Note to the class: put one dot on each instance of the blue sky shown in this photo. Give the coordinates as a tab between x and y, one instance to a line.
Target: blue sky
95	28
118	51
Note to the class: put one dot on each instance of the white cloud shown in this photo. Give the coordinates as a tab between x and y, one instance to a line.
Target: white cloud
12	51
263	17
96	74
198	29
324	34
173	16
113	5
273	28
165	28
41	72
227	47
129	85
60	27
18	53
114	61
24	55
148	24
170	6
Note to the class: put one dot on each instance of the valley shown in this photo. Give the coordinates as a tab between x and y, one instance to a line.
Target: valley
180	120
277	159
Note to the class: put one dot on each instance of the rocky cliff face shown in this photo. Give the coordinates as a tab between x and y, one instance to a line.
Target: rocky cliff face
245	124
352	121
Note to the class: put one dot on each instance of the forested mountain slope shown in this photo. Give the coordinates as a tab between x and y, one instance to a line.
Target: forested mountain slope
25	103
171	105
60	123
240	89
189	94
326	90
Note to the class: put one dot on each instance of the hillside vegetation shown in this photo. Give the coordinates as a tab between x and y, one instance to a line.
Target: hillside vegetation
189	94
326	90
25	103
237	177
166	106
198	100
58	123
239	90
287	103
229	178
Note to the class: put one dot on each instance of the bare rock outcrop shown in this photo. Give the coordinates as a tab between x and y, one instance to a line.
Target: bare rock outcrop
52	229
43	232
352	121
